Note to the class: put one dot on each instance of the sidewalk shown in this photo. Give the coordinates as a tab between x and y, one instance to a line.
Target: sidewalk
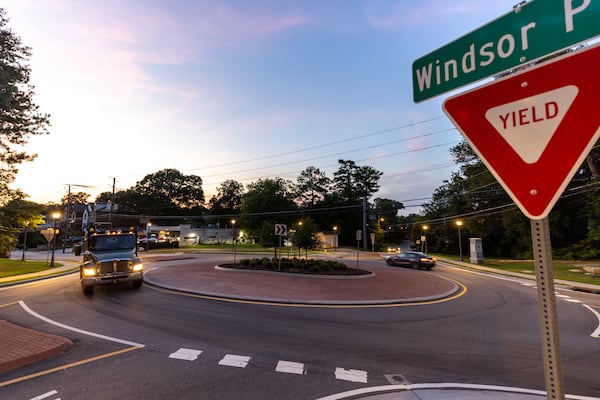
385	287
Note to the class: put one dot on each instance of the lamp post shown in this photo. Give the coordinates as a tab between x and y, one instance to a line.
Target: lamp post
335	230
459	223
55	216
424	244
148	225
233	238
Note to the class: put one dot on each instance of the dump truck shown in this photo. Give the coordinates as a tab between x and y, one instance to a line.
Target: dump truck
110	257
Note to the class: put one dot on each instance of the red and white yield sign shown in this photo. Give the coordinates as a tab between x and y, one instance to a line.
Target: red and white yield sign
534	129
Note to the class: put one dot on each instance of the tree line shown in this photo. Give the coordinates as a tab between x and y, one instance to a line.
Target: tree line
314	199
473	195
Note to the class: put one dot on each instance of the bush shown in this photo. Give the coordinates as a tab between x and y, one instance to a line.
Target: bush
296	265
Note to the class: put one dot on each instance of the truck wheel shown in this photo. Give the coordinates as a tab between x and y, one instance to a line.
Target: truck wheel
137	284
87	289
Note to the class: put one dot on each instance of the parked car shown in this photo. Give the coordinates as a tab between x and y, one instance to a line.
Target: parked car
411	259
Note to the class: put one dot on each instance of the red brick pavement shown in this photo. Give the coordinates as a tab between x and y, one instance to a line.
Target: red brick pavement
21	346
385	285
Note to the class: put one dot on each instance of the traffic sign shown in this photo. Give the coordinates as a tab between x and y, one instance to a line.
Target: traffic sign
280	229
532	30
534	129
49	234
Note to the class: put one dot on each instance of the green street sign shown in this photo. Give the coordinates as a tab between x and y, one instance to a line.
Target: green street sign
532	30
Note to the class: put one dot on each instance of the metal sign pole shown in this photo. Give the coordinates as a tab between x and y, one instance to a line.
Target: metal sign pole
542	255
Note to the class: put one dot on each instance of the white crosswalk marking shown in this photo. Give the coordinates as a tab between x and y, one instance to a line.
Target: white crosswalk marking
352	375
231	360
186	354
46	395
289	367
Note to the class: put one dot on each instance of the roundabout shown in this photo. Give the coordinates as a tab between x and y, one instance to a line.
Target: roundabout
383	286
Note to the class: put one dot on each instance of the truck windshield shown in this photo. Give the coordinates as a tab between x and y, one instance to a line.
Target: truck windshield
112	242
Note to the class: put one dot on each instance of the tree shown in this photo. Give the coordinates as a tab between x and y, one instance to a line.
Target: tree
352	182
228	199
264	199
76	198
15	216
19	115
305	235
166	192
311	187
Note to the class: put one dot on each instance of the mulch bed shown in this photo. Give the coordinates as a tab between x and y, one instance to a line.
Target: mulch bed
346	272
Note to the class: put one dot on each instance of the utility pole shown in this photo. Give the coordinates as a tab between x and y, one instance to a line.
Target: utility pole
68	213
67	224
112	201
364	224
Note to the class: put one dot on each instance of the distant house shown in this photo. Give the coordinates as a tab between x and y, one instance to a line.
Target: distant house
95	213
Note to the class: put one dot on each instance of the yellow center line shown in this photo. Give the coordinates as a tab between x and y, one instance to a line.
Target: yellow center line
9	304
67	366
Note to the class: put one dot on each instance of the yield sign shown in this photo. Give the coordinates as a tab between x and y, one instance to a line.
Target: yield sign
534	129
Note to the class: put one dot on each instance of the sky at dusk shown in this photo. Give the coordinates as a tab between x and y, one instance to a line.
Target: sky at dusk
240	90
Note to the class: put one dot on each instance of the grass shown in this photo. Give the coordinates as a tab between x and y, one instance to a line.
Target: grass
9	267
569	270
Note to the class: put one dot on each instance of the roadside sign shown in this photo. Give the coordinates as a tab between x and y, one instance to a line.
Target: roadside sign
532	30
48	234
358	235
534	129
280	229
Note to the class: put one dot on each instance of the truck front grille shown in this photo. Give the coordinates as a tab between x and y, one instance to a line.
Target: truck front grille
114	266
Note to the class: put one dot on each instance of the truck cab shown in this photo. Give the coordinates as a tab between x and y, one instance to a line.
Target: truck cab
110	257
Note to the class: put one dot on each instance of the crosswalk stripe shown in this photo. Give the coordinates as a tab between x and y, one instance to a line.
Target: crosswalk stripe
289	367
232	360
186	354
352	375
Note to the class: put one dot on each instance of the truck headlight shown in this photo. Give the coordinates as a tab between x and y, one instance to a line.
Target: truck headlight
90	271
138	267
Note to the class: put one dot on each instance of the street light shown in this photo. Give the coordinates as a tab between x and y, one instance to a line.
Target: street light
55	216
335	230
459	223
424	244
233	238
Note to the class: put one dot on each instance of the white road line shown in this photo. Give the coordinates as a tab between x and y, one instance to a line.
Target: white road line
289	367
45	395
231	360
71	328
573	300
352	375
596	333
443	386
186	354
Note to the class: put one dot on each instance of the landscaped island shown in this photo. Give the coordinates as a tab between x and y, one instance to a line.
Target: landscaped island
297	265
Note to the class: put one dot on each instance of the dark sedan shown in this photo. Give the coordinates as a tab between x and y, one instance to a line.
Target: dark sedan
412	259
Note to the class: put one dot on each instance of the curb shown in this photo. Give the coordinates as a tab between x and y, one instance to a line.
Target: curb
576	286
38	278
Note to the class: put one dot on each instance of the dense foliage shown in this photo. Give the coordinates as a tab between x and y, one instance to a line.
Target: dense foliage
474	196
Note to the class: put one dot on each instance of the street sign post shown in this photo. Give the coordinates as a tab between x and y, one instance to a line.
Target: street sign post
532	30
533	130
280	229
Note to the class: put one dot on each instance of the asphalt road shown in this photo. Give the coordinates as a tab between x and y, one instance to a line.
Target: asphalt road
134	343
